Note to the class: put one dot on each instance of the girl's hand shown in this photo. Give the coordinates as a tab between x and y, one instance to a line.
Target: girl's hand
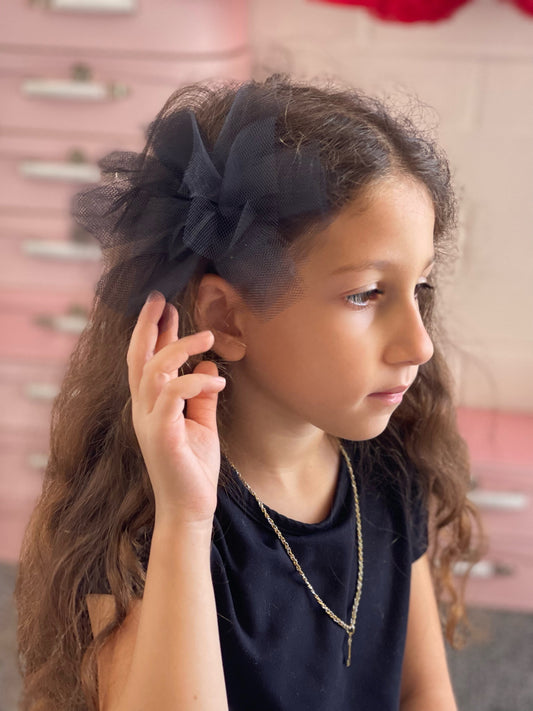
182	454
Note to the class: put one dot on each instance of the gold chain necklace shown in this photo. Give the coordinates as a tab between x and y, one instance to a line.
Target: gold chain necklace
349	628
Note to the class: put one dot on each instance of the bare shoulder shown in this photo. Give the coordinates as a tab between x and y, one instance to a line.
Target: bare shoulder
114	659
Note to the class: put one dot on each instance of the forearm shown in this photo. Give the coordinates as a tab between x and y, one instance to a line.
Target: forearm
432	699
177	662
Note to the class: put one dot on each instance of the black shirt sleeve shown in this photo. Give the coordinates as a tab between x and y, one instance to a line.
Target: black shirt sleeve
417	519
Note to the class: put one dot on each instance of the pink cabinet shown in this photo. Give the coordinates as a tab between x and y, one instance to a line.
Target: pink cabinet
501	450
79	78
41	173
77	92
45	254
134	28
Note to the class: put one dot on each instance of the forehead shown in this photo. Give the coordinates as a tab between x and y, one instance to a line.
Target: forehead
394	224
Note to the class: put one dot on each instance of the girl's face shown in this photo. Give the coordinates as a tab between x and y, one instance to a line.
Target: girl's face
340	357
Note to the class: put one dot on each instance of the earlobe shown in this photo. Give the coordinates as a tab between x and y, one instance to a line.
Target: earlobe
218	308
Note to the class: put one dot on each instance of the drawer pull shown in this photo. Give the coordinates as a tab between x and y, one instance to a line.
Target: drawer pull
74	90
483	569
66	251
499	500
38	460
75	170
41	391
112	6
73	322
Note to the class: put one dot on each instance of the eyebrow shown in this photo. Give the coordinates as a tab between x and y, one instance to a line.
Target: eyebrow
376	264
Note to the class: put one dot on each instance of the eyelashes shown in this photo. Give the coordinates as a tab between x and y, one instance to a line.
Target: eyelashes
423	286
365	298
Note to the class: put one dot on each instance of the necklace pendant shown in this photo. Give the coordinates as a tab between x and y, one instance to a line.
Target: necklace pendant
349	658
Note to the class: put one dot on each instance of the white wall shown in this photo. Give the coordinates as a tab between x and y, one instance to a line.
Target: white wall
476	70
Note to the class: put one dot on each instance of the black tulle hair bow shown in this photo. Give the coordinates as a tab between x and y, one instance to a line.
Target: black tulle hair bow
179	206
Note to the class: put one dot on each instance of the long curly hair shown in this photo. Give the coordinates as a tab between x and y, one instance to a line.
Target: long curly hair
96	509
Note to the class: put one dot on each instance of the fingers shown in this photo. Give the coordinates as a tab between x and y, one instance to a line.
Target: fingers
162	367
203	407
156	328
155	354
144	339
168	327
200	390
178	352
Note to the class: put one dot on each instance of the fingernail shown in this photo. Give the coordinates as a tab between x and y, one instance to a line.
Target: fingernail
220	380
153	295
165	321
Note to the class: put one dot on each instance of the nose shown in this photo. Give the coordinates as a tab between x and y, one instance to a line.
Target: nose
408	341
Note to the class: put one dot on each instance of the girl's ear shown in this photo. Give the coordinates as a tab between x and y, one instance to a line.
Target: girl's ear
219	308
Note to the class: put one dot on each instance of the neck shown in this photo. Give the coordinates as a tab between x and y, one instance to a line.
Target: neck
292	466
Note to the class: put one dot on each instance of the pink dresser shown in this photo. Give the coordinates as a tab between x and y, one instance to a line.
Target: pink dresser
501	449
78	78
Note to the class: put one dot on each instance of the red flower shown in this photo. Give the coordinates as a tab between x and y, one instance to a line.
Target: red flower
525	5
413	10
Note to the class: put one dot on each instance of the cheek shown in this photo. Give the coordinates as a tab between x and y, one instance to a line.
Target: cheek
330	346
343	335
278	355
283	356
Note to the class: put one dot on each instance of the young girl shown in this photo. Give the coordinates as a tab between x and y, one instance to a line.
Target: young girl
259	541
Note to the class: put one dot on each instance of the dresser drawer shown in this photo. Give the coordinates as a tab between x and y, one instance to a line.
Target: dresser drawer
151	27
497	437
501	450
28	225
502	478
77	92
14	518
510	580
43	173
42	327
22	460
37	261
48	252
27	392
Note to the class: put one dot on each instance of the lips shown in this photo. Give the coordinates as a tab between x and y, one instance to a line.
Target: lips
392	391
392	396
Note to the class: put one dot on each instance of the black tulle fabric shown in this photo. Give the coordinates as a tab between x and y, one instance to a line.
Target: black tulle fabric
181	206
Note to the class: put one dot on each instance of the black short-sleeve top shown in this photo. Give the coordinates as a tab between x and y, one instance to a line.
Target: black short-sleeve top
280	650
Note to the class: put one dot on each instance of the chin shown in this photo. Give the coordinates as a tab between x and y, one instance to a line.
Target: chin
361	432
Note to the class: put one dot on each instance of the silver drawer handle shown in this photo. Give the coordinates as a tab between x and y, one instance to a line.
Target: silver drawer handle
499	500
37	460
65	251
115	6
71	89
52	170
74	321
41	391
63	324
483	569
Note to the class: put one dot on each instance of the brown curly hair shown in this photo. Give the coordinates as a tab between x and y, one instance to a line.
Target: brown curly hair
97	508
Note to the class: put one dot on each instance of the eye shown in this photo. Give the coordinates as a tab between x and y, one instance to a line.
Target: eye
363	298
423	286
